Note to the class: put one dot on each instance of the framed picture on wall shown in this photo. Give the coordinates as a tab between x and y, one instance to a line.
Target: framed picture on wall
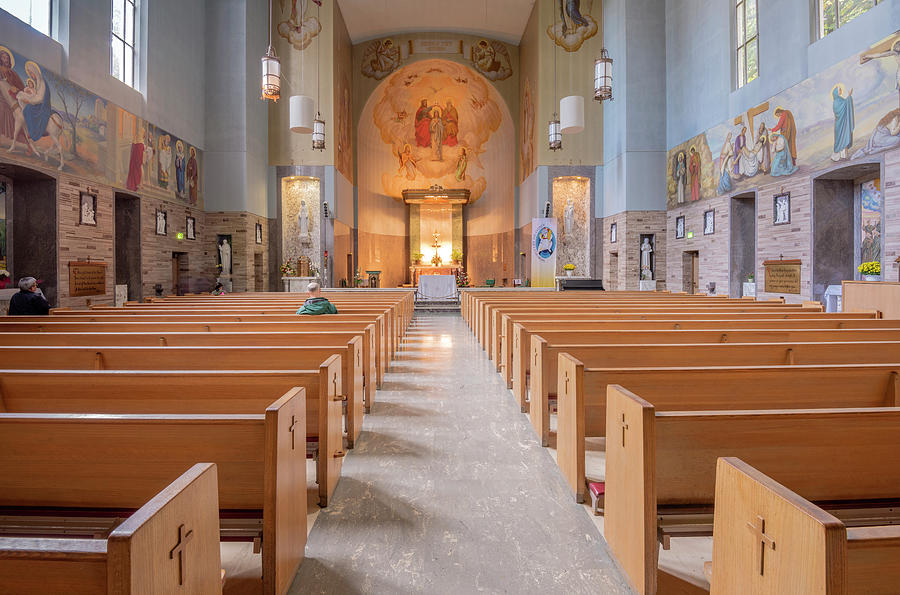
190	228
709	223
259	233
612	233
679	227
88	209
162	223
781	209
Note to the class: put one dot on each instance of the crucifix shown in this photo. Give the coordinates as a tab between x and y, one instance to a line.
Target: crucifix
624	427
436	244
763	540
183	538
291	430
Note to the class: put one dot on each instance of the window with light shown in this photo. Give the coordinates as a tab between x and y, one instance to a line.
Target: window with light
35	13
837	13
747	38
121	41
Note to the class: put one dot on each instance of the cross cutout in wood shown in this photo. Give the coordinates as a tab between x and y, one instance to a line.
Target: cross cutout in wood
535	357
334	383
624	427
567	384
183	538
763	540
291	430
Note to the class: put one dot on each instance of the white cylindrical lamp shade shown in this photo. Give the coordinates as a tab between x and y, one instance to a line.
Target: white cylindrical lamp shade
571	114
271	77
303	110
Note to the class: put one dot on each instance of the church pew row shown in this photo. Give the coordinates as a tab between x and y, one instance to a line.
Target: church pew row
74	469
189	392
181	518
584	408
661	468
770	539
545	378
720	331
204	339
206	358
373	345
521	331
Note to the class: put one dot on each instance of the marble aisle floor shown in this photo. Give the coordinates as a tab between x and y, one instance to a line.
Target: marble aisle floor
449	491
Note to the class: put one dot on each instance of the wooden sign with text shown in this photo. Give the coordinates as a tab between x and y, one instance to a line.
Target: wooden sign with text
87	278
782	276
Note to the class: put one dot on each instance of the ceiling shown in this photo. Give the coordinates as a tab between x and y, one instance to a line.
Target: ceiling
500	19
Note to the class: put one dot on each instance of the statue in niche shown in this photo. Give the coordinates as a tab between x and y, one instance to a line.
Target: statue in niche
225	257
303	223
569	216
646	251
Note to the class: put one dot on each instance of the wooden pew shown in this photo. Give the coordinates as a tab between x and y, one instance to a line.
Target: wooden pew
92	463
189	392
203	339
583	405
544	375
170	544
660	466
735	331
800	548
202	358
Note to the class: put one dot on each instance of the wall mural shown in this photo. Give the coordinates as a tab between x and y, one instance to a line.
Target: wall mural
46	120
343	119
871	202
526	121
300	28
573	24
437	118
846	112
380	58
491	58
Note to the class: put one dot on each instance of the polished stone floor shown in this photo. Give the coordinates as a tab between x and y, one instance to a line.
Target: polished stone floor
449	491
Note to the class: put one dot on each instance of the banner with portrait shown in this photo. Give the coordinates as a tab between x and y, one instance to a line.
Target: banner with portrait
544	243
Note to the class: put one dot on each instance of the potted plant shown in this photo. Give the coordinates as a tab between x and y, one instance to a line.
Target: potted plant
569	269
417	258
456	255
287	270
750	278
871	271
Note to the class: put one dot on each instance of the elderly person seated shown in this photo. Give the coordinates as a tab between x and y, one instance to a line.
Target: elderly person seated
315	304
30	300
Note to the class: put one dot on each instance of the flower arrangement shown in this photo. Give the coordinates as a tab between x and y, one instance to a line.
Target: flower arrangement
357	279
462	279
417	257
287	270
569	267
750	278
872	268
456	255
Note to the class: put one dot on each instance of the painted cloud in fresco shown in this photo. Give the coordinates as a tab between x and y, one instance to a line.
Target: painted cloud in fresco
437	116
573	24
299	29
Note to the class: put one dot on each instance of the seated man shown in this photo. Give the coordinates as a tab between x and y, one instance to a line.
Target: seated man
30	300
315	304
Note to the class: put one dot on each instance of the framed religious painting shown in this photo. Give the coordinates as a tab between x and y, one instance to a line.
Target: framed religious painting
781	209
88	209
190	228
162	222
612	233
709	223
679	227
259	233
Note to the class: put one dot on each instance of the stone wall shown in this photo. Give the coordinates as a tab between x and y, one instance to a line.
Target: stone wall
713	249
630	225
242	229
157	250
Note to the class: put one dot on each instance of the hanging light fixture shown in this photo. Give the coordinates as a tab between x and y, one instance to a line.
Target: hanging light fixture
271	68
554	134
603	76
318	133
571	111
302	109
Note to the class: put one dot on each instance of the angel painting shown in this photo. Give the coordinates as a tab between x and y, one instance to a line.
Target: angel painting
299	29
491	59
407	162
380	58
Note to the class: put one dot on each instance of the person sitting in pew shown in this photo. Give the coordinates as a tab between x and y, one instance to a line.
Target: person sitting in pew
219	289
315	304
30	300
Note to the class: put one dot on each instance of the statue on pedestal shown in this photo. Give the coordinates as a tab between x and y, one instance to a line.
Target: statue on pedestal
646	251
569	216
303	223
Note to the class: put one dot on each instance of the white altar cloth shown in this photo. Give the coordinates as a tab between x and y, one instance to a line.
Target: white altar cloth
437	287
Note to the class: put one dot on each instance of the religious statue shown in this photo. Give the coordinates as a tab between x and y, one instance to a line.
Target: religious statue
646	251
161	223
569	216
87	210
225	257
303	223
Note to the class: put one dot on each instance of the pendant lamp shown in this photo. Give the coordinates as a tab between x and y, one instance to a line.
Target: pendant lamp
571	112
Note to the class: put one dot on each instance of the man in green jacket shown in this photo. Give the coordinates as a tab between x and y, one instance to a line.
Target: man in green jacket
315	304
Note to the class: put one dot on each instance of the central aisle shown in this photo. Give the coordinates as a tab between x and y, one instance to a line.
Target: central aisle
449	491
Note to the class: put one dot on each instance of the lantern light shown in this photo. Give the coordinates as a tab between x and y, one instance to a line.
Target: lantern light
603	77
318	135
271	75
302	109
571	111
554	133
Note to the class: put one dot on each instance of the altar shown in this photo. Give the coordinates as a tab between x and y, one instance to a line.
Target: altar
437	287
421	270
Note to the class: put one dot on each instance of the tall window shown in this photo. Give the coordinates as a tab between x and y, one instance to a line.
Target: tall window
747	41
34	12
121	41
836	13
